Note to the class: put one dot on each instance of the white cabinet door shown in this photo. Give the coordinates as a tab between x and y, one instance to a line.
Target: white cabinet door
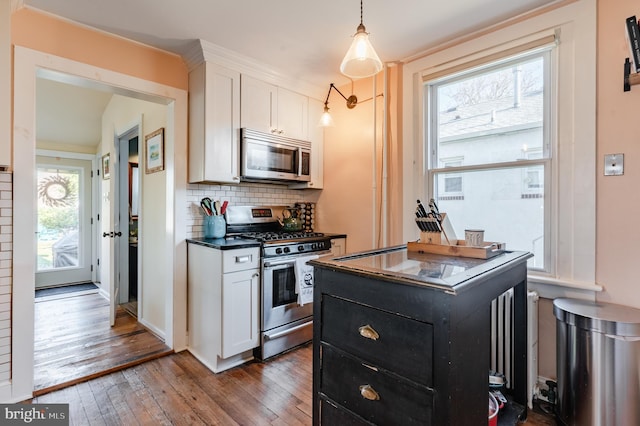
272	109
258	105
316	137
338	246
240	312
214	123
293	114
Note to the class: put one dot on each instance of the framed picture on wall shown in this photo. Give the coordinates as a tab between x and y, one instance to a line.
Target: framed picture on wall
106	173
154	151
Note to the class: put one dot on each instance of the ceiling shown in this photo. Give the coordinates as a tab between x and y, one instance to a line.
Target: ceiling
300	39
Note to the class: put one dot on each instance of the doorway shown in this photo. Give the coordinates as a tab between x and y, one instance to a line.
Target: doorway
169	279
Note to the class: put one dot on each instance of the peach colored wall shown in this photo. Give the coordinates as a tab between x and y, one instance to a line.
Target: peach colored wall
393	101
346	204
618	202
37	31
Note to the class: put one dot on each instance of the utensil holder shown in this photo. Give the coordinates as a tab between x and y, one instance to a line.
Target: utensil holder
214	226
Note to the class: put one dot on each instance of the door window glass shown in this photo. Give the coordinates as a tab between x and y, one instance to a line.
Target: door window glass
58	242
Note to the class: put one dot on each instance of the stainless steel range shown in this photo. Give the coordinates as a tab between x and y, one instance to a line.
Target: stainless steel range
286	318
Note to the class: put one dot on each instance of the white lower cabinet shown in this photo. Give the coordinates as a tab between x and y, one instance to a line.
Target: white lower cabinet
240	308
223	305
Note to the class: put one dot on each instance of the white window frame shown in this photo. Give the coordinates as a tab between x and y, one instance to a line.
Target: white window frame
573	228
548	53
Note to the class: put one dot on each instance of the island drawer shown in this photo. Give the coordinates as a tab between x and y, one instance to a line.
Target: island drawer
377	396
390	341
332	414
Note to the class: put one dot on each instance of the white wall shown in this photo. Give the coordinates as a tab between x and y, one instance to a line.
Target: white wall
119	115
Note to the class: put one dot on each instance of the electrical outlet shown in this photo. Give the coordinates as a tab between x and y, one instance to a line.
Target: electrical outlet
614	164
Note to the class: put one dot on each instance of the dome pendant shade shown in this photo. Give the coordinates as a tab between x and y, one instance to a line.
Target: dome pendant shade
361	59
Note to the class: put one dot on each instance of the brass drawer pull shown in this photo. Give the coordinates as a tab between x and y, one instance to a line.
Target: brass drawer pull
369	393
368	332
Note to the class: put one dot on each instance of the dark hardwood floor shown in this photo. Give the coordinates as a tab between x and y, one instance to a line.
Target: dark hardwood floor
74	341
175	389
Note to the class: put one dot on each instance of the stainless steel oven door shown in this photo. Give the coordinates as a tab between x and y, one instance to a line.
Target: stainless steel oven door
279	298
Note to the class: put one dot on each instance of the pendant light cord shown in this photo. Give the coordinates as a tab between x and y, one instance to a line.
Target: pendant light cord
360	12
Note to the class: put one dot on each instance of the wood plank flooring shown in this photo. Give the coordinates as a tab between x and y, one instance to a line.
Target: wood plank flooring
173	389
74	342
179	390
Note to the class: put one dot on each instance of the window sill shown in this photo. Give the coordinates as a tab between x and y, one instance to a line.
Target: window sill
552	288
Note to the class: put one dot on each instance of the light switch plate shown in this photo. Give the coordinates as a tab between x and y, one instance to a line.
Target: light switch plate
614	164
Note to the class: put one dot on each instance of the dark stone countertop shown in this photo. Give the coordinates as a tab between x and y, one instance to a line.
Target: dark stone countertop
224	243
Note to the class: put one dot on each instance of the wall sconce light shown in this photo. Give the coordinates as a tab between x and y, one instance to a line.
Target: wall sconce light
361	59
326	120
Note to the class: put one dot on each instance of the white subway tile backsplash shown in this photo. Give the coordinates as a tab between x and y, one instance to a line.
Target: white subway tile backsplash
6	271
245	194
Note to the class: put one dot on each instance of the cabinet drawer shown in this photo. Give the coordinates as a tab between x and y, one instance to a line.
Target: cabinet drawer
241	259
331	414
375	395
396	343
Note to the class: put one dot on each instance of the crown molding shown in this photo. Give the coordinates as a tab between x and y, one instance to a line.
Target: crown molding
204	51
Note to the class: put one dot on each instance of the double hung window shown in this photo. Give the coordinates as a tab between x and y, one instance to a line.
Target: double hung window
489	133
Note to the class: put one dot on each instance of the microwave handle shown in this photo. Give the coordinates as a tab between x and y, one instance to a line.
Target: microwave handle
299	161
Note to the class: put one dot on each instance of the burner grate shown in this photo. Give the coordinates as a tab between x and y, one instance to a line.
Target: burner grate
279	236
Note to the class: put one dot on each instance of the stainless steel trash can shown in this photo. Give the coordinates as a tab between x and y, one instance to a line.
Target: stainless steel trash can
598	363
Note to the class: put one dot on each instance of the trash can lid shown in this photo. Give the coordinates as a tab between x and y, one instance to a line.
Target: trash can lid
601	317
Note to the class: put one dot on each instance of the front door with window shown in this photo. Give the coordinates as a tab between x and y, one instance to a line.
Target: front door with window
63	232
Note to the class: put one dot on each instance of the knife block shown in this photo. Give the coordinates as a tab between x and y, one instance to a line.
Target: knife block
446	237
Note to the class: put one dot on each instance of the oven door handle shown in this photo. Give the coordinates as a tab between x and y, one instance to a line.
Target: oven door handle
271	264
287	331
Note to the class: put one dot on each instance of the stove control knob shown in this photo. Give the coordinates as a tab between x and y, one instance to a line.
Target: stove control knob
278	251
286	249
300	248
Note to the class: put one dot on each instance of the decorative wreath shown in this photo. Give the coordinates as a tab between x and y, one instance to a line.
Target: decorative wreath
56	191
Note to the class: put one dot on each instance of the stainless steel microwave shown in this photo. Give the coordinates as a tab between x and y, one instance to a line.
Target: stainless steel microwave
268	157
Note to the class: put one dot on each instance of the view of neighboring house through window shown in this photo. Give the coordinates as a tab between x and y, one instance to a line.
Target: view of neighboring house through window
490	159
451	183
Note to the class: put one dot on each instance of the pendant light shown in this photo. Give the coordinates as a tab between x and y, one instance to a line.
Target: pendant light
361	59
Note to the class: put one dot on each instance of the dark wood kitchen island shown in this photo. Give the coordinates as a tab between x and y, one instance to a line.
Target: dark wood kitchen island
403	338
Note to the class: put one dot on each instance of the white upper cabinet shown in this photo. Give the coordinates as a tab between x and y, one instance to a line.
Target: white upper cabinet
272	109
214	123
316	136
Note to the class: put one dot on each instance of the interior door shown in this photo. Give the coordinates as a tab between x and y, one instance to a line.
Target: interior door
119	218
63	232
113	232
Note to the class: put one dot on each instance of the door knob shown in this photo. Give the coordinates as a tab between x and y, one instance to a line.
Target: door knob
107	234
117	234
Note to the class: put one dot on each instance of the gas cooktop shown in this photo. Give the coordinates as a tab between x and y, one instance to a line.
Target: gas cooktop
276	236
